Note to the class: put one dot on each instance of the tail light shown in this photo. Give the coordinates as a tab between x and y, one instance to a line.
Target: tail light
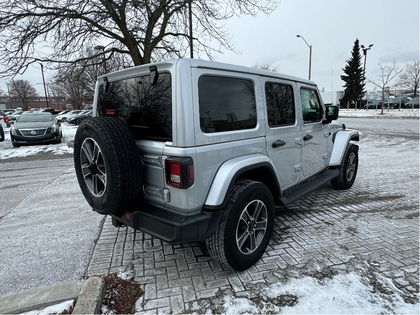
179	172
5	119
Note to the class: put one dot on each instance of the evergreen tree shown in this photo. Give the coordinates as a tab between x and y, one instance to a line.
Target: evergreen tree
353	77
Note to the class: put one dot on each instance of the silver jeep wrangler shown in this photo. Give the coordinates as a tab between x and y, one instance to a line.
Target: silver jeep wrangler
190	150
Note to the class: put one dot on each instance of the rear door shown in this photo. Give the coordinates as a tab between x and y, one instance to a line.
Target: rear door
283	132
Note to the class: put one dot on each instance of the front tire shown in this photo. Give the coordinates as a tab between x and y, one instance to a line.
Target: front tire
245	227
348	168
108	164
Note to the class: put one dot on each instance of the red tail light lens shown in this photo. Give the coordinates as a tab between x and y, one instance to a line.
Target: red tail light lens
179	172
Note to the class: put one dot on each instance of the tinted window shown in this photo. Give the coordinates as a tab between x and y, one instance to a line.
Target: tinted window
280	104
226	104
146	108
311	106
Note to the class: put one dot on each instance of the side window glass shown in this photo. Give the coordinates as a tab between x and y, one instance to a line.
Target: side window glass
280	104
311	106
226	104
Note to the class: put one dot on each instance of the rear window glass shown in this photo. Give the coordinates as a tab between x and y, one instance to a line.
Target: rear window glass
226	104
146	108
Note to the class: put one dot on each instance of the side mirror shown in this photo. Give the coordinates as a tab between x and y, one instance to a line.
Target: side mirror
331	113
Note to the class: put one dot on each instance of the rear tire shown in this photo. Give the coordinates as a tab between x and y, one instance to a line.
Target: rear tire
348	168
108	164
245	227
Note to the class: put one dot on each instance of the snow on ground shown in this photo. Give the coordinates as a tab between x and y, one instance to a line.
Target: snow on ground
53	309
7	151
376	113
343	294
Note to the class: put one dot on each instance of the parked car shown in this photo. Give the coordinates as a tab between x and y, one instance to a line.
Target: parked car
62	112
49	110
413	103
4	120
192	150
373	104
77	119
1	133
35	128
67	115
12	117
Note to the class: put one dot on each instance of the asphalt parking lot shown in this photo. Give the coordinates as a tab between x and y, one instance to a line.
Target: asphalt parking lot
371	230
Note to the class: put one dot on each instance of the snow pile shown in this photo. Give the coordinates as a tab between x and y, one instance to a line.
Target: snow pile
53	309
343	294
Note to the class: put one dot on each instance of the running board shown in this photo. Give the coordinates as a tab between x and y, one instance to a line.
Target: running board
292	194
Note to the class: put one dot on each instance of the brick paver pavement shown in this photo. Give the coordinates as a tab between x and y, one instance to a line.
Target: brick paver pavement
372	229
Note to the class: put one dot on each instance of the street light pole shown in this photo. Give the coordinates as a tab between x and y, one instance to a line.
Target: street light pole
191	30
310	55
43	81
365	49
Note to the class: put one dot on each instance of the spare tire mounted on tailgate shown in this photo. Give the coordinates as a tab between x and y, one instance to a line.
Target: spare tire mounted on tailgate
108	164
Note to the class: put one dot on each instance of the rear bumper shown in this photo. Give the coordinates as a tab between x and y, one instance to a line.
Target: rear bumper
169	226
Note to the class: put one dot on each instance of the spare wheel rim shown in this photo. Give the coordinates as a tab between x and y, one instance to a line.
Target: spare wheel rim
93	167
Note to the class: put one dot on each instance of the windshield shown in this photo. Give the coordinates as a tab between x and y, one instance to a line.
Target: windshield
35	118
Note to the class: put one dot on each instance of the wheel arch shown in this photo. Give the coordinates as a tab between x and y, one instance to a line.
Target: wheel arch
341	139
256	167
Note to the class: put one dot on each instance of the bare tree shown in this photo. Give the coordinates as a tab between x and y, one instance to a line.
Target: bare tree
388	73
23	90
77	81
410	76
56	32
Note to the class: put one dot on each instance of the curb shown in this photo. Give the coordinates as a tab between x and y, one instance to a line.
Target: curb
91	297
88	293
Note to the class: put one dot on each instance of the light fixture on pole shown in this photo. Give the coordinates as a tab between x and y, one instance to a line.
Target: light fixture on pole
310	54
365	49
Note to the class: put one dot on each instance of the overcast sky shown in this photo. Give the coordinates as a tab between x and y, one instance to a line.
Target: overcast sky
330	26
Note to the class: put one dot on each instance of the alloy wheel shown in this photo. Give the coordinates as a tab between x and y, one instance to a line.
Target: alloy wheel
252	226
93	167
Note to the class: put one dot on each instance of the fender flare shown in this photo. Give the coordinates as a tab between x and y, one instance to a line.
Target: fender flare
341	140
227	174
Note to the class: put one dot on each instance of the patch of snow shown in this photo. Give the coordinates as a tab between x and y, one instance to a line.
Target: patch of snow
53	309
126	275
376	113
343	294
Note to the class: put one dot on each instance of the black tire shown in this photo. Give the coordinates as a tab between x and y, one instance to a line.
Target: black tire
348	168
108	164
239	243
1	135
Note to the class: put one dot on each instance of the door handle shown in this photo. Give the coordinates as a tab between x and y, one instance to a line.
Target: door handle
278	143
307	137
